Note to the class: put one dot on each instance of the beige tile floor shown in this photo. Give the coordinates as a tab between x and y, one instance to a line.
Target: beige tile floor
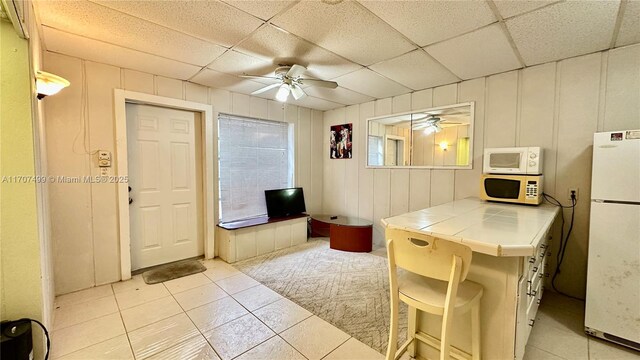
558	333
218	314
224	314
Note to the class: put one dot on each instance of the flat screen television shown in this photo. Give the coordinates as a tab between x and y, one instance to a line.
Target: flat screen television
284	202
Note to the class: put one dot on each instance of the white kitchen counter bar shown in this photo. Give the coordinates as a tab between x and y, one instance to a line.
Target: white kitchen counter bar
487	228
510	245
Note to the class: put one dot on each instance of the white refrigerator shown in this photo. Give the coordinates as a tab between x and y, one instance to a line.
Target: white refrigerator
613	275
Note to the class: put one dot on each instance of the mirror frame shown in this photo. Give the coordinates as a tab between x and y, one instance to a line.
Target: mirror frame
472	110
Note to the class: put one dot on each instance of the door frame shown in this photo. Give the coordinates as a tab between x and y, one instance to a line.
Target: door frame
394	138
123	97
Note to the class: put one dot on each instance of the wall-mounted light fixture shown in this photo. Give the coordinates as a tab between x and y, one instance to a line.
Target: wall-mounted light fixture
49	84
444	146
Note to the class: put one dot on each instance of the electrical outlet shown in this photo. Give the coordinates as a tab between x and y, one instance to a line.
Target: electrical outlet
576	190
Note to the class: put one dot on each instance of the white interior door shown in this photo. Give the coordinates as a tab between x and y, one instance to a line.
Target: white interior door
392	158
165	176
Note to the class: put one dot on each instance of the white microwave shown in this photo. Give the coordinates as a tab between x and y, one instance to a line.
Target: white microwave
518	189
515	160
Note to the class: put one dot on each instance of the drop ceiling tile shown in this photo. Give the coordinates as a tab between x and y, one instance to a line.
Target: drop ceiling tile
630	27
210	20
427	22
372	84
479	53
564	30
338	95
509	8
346	28
100	23
237	63
224	81
415	70
93	50
315	103
280	47
269	95
263	9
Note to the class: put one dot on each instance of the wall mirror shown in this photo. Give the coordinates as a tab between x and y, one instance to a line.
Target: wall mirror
439	138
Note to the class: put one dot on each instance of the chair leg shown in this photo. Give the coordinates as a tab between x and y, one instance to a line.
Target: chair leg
475	331
411	331
393	328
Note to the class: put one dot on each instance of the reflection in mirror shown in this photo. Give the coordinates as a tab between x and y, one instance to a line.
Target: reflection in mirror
441	137
437	137
389	141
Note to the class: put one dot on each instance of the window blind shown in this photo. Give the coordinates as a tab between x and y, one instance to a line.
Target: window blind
375	150
254	155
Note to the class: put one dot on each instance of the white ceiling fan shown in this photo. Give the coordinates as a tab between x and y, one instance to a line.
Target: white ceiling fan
432	123
290	80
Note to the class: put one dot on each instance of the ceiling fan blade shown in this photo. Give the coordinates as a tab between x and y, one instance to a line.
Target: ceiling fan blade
266	88
259	77
320	83
296	70
297	92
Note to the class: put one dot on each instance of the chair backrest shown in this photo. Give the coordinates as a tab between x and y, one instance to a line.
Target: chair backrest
426	255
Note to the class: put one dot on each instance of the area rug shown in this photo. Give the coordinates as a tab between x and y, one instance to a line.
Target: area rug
172	271
348	290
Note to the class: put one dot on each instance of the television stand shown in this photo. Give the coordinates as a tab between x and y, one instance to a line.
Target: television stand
345	233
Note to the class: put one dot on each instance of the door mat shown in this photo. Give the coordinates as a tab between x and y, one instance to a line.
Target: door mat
172	271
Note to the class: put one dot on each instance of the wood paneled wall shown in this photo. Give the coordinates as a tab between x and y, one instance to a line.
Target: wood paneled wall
556	105
84	216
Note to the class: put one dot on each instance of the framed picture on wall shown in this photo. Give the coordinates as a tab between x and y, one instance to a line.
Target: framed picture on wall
340	140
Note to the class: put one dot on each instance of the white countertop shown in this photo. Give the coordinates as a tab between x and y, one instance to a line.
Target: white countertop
488	228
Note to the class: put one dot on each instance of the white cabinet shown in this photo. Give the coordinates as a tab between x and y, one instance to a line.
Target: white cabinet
283	236
510	249
530	289
248	242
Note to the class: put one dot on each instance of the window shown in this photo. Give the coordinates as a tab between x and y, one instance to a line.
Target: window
254	155
375	150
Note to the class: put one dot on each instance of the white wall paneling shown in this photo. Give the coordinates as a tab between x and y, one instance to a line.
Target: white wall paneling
579	86
101	80
467	181
351	168
365	176
169	87
501	113
556	105
622	94
84	225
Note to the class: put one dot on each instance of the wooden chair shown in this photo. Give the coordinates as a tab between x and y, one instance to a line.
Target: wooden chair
434	282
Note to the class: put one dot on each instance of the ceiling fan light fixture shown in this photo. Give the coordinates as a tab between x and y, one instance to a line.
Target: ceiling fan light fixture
297	92
432	128
283	93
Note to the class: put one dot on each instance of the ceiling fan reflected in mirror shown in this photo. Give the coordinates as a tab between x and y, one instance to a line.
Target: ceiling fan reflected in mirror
429	123
432	123
289	81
